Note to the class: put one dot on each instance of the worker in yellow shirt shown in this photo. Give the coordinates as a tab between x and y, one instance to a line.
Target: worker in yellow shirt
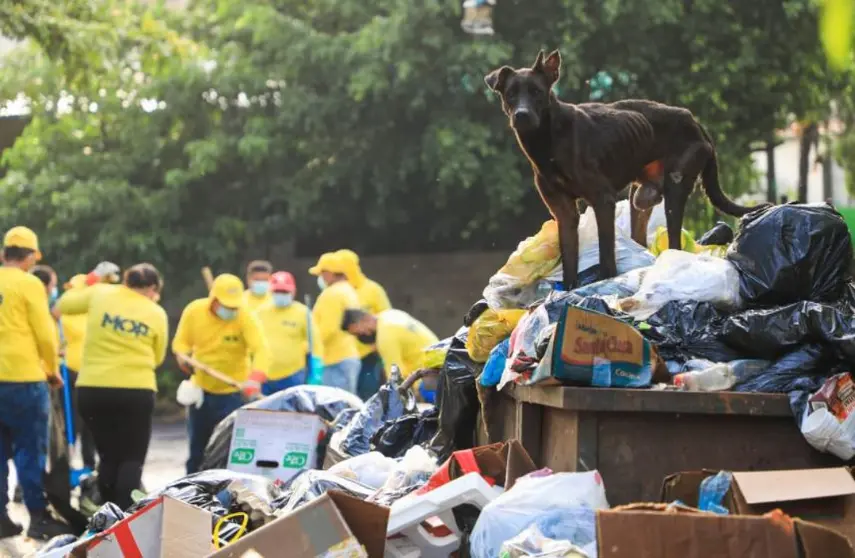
29	361
372	299
400	338
74	335
221	333
341	358
258	283
288	326
127	334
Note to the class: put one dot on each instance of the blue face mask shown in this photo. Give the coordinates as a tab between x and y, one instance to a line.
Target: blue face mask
54	295
226	313
281	300
259	288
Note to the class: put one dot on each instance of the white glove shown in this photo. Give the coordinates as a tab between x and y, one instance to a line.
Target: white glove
107	270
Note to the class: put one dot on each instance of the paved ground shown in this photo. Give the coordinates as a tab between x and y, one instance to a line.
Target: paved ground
166	457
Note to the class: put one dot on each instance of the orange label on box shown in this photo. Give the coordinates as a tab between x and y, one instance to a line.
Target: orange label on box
589	336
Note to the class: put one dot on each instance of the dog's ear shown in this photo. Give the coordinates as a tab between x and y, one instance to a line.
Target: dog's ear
496	79
538	62
552	66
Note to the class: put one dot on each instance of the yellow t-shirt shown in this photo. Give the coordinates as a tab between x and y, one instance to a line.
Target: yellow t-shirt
29	347
401	340
372	299
287	333
74	335
224	345
328	314
126	336
254	302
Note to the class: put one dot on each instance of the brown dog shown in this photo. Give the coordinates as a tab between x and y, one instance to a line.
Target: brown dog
589	152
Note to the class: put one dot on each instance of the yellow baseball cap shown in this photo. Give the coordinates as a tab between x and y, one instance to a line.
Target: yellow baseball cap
228	290
331	261
22	237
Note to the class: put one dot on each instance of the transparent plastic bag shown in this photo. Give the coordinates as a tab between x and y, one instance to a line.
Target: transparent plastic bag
410	474
488	330
562	505
532	542
371	469
682	276
522	347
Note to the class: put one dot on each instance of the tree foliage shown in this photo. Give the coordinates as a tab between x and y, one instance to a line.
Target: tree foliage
206	136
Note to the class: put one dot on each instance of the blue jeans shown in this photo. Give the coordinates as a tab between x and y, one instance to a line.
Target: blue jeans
344	374
273	386
24	416
202	421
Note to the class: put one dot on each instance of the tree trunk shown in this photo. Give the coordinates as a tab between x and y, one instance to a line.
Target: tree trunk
807	140
771	183
827	162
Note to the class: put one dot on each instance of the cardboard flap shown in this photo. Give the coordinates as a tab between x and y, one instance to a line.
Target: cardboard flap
763	487
366	521
819	542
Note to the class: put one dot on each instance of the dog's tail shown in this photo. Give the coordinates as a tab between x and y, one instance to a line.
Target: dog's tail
709	178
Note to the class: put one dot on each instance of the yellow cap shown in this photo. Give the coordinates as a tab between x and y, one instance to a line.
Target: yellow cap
228	290
328	262
22	237
76	282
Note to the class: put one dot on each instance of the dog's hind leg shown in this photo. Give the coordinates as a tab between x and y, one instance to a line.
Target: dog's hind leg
679	183
638	218
604	210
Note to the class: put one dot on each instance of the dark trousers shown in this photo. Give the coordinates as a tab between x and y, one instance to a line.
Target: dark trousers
24	415
87	442
370	376
120	422
202	421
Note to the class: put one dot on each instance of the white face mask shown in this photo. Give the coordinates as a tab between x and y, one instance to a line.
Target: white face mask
282	300
259	288
321	283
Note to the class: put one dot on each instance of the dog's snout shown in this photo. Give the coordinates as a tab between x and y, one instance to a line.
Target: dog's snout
524	117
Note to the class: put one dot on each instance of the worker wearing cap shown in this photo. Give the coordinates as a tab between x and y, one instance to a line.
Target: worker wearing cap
222	334
288	326
258	284
29	361
401	339
341	357
372	299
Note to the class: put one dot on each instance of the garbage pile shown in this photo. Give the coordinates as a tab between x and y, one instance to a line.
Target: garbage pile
770	308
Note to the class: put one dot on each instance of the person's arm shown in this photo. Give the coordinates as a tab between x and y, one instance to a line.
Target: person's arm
161	338
44	328
256	342
327	315
75	301
182	343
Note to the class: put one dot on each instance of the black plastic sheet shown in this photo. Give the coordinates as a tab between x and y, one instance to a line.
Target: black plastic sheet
312	484
57	478
684	330
790	253
324	401
108	515
773	332
720	235
386	405
457	400
475	312
395	437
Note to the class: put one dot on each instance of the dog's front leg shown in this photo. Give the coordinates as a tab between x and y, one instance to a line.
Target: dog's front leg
604	210
567	214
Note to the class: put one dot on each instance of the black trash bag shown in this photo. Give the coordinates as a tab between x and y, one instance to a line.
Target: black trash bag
57	478
789	253
685	330
475	312
386	405
325	401
56	543
773	332
720	235
311	484
457	400
343	419
395	437
108	515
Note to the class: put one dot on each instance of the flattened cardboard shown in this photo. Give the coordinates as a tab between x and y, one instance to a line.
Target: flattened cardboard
763	487
649	534
314	528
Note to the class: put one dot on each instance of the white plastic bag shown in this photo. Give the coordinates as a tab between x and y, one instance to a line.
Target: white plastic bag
531	542
524	341
829	420
371	469
679	275
415	468
189	393
563	506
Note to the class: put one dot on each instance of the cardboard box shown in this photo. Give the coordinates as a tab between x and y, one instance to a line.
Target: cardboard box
166	528
274	444
822	496
593	349
322	528
645	532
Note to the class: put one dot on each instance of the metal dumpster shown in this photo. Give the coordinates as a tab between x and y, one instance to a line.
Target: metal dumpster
637	437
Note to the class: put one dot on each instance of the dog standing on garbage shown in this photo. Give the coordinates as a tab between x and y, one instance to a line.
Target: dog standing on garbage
591	152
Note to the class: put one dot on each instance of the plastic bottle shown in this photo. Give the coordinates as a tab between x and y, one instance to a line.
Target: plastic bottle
712	492
720	376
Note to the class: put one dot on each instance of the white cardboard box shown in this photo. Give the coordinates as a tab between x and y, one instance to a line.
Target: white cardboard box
274	444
